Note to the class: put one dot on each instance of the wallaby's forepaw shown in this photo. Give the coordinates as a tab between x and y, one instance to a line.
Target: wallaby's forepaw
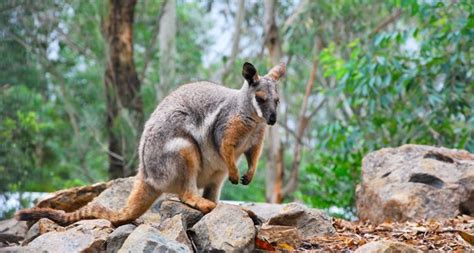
245	180
234	179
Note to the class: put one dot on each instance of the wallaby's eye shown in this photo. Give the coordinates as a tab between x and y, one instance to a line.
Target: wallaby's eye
260	100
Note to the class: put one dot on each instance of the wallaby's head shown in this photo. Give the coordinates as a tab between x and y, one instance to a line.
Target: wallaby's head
263	90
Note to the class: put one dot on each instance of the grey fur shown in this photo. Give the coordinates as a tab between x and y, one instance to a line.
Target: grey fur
197	114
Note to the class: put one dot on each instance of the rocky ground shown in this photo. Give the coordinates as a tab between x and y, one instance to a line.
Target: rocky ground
412	199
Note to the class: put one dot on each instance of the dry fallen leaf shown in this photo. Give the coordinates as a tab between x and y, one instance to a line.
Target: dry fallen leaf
467	237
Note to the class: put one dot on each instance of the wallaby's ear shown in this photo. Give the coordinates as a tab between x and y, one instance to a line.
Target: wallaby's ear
250	74
277	72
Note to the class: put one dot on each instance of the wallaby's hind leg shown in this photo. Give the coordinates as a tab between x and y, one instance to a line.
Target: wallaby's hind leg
139	201
212	191
189	193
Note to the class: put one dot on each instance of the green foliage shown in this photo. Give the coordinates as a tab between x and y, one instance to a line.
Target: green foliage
411	85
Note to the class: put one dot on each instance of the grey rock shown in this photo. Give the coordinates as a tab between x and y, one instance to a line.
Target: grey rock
310	222
226	228
18	249
118	237
85	235
263	210
173	229
386	246
42	226
171	208
12	231
146	238
415	182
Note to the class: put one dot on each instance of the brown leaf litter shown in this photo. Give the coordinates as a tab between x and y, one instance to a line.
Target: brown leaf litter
454	235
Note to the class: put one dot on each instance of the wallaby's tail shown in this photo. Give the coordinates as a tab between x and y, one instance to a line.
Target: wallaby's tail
140	199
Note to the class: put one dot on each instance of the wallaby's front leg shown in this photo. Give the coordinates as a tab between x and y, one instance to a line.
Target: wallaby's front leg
252	155
228	154
234	132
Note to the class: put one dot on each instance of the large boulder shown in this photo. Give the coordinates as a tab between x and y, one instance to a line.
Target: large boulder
82	236
386	246
310	222
146	238
226	228
416	182
12	231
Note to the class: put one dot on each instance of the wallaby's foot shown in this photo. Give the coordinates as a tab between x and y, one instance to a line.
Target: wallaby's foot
234	178
246	179
198	202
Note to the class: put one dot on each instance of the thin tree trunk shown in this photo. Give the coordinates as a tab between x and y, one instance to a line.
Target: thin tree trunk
167	40
275	166
122	86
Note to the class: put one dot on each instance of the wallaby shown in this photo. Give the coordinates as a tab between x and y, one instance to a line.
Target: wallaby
192	141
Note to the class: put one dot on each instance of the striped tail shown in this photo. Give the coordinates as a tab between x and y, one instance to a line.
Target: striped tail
140	199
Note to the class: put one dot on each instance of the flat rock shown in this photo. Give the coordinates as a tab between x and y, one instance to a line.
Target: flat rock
85	235
118	237
174	229
12	231
310	222
42	226
72	199
226	228
415	182
146	238
17	249
386	247
263	210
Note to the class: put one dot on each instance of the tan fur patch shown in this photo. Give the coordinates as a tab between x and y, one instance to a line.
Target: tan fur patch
197	202
236	128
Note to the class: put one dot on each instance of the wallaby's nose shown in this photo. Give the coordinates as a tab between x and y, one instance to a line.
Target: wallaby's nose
272	119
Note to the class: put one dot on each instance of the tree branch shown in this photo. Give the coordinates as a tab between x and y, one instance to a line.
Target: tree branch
392	18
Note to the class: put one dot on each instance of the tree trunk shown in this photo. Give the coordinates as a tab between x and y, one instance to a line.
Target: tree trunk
167	40
122	87
275	166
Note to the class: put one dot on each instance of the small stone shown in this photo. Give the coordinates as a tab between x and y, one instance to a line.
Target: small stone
171	208
118	237
173	229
